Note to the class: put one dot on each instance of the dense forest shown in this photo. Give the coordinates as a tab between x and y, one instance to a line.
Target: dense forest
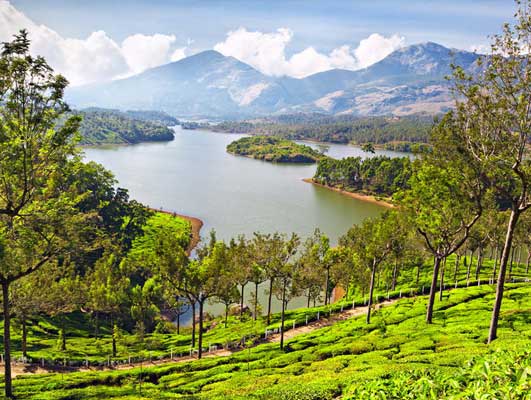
382	176
273	149
101	126
340	129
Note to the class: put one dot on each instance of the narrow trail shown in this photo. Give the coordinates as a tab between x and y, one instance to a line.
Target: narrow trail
289	333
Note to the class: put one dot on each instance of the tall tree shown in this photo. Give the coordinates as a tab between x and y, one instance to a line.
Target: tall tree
494	107
34	153
444	200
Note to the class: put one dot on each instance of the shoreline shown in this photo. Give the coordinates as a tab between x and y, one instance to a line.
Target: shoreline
358	196
195	223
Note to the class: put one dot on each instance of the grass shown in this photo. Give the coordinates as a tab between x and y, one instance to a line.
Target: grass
397	353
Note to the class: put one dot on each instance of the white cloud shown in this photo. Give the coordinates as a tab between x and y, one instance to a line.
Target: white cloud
376	47
267	52
94	59
142	52
178	54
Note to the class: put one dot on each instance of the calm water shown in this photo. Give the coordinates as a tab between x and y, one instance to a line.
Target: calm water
193	175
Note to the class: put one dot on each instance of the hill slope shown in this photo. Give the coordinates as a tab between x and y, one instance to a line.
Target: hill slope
409	80
397	353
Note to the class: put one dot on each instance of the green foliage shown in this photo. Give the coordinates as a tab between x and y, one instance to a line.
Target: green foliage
274	149
380	175
337	129
349	359
100	126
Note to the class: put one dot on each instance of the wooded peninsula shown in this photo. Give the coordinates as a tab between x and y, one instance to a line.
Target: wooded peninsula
274	149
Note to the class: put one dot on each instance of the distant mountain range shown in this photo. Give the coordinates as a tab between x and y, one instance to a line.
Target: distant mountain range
410	80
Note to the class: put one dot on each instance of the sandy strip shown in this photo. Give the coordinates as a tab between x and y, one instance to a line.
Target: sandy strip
196	224
357	196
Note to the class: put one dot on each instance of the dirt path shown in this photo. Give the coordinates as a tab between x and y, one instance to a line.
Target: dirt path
20	369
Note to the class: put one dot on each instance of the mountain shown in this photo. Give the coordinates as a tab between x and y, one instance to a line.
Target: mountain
409	80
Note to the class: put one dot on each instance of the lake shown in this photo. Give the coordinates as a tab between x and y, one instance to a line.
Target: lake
194	175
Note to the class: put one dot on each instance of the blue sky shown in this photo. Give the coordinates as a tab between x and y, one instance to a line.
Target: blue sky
322	24
97	40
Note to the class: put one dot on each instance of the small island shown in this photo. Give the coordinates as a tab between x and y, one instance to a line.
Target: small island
274	149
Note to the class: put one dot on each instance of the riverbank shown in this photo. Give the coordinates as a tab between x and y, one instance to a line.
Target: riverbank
358	196
195	223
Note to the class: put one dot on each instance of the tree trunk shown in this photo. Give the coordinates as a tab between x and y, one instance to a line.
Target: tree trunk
441	288
96	325
457	259
515	214
114	334
527	262
511	264
495	261
241	301
395	273
226	314
433	288
468	267
327	283
200	341
63	334
282	315
178	323
418	275
371	291
480	261
8	388
269	301
24	337
193	323
309	297
255	300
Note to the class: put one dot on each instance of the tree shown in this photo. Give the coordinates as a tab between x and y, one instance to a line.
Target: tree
495	116
373	242
107	289
34	153
227	291
144	305
285	287
241	261
444	202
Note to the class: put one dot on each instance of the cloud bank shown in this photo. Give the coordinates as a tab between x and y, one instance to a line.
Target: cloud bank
99	58
267	52
94	59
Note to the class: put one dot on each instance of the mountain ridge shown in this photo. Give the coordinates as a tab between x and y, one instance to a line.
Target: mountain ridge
209	84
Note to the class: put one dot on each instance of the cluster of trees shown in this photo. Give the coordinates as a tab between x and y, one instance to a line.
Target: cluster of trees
115	127
379	175
274	149
336	129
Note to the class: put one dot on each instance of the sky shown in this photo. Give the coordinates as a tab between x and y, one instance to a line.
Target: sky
99	40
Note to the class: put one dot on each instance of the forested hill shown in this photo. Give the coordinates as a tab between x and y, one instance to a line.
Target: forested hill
389	132
102	126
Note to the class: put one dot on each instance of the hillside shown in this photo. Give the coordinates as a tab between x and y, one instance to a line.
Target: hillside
348	359
408	81
100	126
273	149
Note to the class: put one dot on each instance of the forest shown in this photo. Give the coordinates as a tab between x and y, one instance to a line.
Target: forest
381	175
274	149
102	126
381	131
429	300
